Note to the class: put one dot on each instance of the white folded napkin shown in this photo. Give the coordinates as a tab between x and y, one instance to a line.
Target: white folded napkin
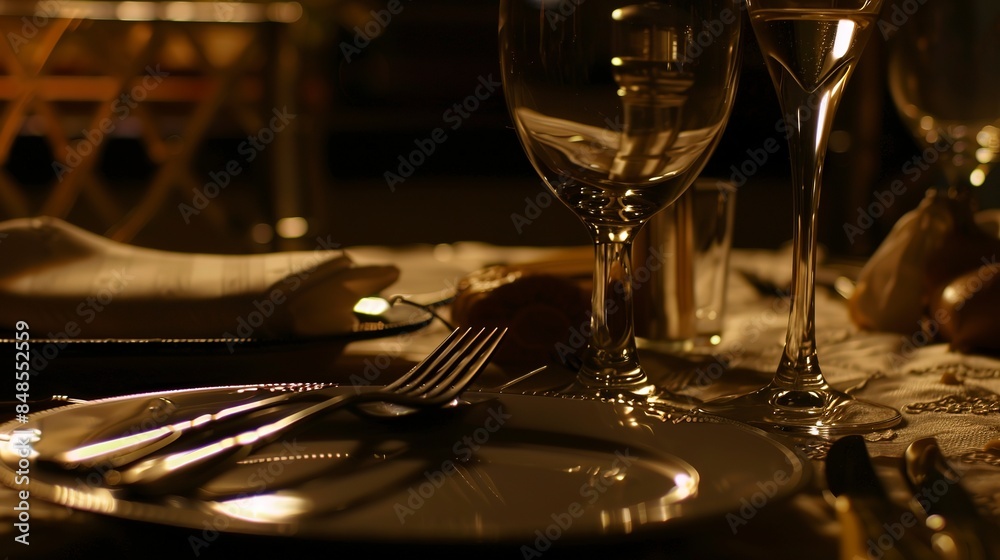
67	282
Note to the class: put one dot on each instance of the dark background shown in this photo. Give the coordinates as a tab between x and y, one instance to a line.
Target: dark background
358	116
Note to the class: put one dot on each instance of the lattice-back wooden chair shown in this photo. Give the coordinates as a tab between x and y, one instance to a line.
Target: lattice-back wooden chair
168	74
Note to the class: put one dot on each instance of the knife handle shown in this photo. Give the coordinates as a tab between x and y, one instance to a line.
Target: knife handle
870	531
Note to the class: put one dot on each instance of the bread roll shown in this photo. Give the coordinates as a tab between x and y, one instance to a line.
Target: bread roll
544	312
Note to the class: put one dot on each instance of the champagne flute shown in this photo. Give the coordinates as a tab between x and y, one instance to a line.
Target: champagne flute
811	48
944	76
618	105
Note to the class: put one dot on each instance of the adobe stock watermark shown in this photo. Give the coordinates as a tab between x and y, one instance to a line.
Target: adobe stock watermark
710	33
87	311
266	306
579	336
45	12
224	11
899	14
249	149
455	116
464	450
913	169
610	135
533	206
750	333
373	367
156	415
590	492
895	531
373	28
121	108
244	505
557	11
757	158
928	329
758	500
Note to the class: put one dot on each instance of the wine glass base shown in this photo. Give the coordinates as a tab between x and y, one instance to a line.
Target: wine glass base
647	395
629	378
816	412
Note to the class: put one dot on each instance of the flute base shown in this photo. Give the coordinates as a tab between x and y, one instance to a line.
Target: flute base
822	412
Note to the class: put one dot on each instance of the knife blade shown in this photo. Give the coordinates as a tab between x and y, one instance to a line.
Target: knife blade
960	533
874	527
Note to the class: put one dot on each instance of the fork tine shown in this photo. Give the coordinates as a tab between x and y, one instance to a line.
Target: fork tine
174	471
433	370
447	363
464	374
442	349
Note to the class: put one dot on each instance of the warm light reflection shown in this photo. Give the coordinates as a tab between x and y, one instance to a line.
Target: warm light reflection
371	306
178	461
688	484
950	294
88	452
180	11
285	12
262	233
945	545
443	252
977	177
230	12
95	499
989	137
266	508
136	11
935	522
845	37
292	227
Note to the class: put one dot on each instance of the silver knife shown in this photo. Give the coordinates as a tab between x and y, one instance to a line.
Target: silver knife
960	533
874	527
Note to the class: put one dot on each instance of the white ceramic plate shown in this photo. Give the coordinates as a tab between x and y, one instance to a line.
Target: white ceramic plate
506	468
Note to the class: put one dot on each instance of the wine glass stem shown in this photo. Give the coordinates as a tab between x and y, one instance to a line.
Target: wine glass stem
811	119
610	359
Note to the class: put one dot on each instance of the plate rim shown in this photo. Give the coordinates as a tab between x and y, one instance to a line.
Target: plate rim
795	458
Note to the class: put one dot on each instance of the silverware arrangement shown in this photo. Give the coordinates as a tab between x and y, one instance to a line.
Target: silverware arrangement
433	383
941	521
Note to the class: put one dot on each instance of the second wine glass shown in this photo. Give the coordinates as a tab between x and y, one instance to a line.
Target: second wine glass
618	105
811	48
944	76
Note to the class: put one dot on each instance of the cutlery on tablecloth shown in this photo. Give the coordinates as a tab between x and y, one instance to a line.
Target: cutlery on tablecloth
434	382
872	525
960	533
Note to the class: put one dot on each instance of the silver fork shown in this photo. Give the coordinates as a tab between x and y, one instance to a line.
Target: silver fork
434	382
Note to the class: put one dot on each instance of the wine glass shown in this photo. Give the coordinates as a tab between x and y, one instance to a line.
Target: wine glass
618	105
944	76
811	48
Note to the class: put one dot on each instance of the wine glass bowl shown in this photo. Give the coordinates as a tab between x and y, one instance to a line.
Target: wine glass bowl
618	105
810	47
944	77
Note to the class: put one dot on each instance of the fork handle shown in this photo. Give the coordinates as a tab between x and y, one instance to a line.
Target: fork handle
184	469
125	449
164	474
